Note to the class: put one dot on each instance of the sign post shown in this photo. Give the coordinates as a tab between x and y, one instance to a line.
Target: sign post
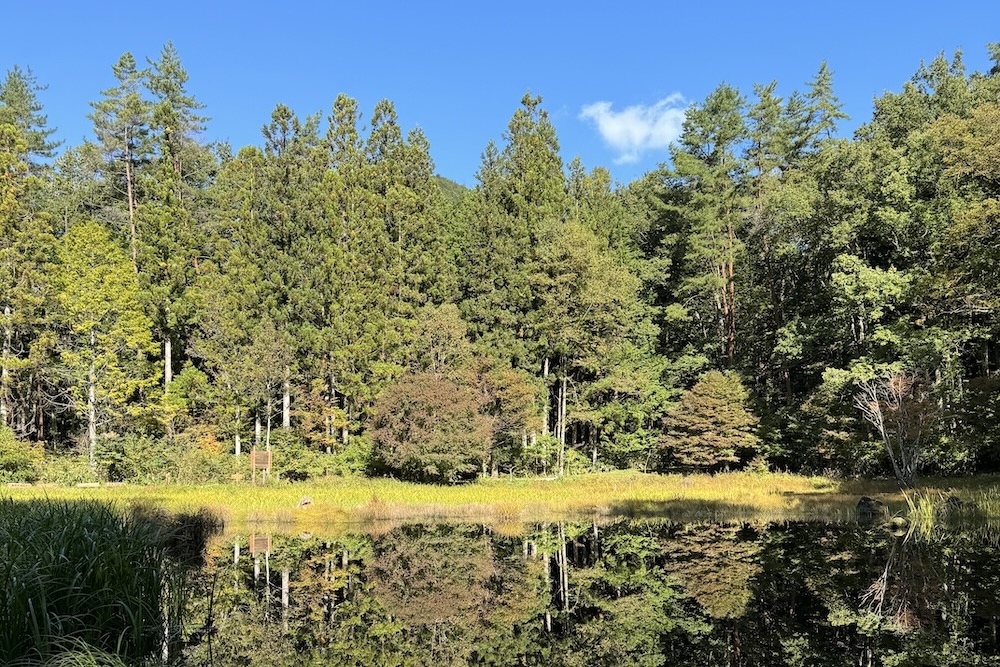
260	461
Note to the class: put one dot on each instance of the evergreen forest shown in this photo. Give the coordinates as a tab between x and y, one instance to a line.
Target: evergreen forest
774	296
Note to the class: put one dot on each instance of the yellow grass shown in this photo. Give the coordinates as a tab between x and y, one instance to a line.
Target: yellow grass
773	496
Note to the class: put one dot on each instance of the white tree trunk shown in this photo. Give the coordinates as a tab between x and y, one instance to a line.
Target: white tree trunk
286	402
168	371
4	371
238	446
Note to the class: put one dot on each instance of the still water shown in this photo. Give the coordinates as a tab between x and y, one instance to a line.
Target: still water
610	592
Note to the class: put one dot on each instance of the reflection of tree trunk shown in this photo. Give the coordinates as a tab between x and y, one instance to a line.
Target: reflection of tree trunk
546	568
267	583
561	561
596	550
284	598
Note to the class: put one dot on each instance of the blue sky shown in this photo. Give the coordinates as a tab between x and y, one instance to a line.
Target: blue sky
614	77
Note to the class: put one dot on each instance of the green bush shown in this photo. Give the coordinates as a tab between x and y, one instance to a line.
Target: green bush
19	461
68	469
294	460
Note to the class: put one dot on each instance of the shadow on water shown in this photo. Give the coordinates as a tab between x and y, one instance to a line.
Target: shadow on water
820	508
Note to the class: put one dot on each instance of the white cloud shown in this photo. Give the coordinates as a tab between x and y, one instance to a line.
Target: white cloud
639	128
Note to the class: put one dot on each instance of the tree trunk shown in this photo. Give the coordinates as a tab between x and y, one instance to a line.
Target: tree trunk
548	396
238	447
561	426
168	362
92	402
267	435
256	429
129	176
731	266
4	370
563	569
286	401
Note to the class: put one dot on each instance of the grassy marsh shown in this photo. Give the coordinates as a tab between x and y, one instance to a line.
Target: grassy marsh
773	496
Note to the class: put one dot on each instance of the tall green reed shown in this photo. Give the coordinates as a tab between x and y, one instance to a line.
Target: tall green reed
84	583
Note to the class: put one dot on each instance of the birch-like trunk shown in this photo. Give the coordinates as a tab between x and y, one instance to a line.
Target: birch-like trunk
238	445
168	362
286	401
4	370
561	425
267	435
548	396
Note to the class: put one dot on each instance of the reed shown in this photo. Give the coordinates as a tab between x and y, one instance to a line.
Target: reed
83	583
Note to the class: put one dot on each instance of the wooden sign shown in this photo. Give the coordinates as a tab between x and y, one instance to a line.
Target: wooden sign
260	544
260	460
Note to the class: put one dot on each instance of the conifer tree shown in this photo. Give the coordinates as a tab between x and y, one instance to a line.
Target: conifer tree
26	256
171	240
104	333
709	169
19	106
121	124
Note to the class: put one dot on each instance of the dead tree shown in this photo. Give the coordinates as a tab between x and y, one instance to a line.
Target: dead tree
900	407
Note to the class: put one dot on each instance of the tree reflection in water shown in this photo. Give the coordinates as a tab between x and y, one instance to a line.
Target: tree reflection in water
617	593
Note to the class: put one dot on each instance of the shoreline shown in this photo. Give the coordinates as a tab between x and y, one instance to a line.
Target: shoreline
737	495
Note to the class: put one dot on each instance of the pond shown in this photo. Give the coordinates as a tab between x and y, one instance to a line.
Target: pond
608	592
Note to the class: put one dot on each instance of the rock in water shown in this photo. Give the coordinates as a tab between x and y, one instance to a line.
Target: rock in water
869	509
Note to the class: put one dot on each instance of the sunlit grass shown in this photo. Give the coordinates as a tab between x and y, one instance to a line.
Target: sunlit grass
738	494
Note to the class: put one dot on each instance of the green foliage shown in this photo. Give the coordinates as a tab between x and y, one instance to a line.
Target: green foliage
19	106
19	461
67	468
711	425
154	287
429	427
294	461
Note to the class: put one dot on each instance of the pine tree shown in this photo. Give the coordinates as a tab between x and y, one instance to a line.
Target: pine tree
19	106
711	426
171	240
121	124
708	170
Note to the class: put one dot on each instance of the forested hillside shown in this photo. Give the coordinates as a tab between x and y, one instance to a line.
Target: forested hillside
775	295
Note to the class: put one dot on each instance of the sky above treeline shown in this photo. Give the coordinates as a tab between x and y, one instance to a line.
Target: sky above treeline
615	77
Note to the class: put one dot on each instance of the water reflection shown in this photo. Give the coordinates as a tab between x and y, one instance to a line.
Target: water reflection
617	593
